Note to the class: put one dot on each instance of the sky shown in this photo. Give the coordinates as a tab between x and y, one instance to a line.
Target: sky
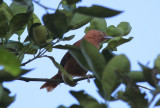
143	15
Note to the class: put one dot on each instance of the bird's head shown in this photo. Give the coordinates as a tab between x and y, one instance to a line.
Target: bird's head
96	36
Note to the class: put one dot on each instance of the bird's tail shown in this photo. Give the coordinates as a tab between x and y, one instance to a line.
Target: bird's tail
50	85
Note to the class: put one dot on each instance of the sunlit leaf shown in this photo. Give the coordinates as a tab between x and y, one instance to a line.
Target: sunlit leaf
122	29
86	101
23	2
94	59
98	11
115	42
118	65
97	24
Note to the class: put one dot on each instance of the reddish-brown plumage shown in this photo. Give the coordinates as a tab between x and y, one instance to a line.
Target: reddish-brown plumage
69	63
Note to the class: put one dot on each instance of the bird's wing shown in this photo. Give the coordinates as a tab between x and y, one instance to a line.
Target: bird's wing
66	57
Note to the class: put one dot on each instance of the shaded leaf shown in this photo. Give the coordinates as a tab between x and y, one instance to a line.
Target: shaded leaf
19	21
16	9
113	43
86	101
98	11
5	99
78	21
72	1
136	76
6	76
118	65
97	24
68	79
107	54
94	59
10	62
29	49
134	97
157	63
75	106
100	88
149	75
158	103
56	23
5	17
23	2
77	54
68	38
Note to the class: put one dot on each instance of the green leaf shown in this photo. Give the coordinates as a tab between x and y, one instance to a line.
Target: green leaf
122	29
158	103
29	49
7	76
5	11
113	31
115	42
56	23
157	63
137	76
68	79
16	9
5	99
19	21
78	21
94	59
5	17
72	1
77	55
10	62
118	65
97	24
100	88
126	27
107	54
23	2
149	75
98	11
134	97
86	101
68	38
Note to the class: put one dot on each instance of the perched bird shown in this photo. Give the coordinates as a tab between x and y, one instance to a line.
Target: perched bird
95	37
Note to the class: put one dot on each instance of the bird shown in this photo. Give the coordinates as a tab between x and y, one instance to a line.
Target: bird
95	37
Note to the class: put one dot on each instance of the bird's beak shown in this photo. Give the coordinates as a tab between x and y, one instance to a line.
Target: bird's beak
108	37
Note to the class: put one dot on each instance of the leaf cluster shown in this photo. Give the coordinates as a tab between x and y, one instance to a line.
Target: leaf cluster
110	70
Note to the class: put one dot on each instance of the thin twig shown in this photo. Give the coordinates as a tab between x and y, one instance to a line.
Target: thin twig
144	87
45	7
52	80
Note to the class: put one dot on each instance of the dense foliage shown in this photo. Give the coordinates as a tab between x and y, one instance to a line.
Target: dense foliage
110	70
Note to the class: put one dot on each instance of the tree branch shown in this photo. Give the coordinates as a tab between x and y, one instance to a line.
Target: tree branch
45	7
53	80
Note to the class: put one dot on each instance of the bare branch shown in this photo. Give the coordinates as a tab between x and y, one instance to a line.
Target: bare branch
53	80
